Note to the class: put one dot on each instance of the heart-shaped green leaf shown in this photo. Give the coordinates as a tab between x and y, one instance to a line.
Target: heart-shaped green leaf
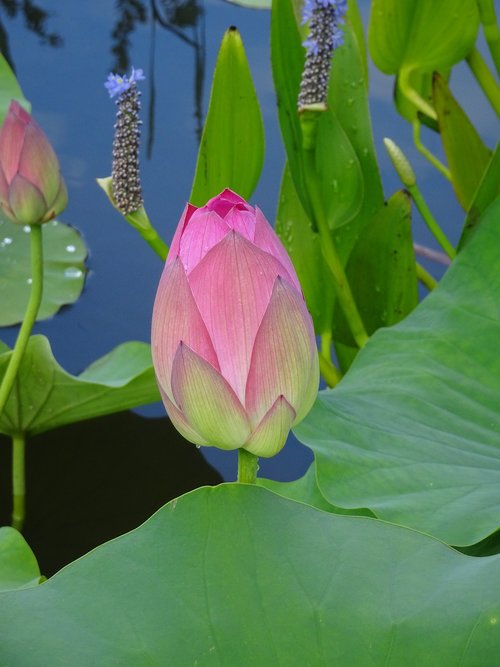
232	146
45	396
412	431
236	575
64	269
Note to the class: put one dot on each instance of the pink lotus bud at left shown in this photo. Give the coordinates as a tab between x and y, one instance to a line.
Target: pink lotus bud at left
233	344
32	189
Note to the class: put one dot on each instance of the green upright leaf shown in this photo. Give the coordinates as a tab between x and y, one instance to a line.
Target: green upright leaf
18	566
45	396
382	270
64	269
303	245
9	89
232	146
465	151
412	431
235	575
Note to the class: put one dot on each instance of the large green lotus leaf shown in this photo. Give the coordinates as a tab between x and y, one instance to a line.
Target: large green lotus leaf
45	396
303	245
9	89
382	271
232	146
466	154
235	575
18	566
487	192
412	431
426	35
64	269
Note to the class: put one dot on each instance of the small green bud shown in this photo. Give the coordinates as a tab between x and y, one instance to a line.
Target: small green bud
401	163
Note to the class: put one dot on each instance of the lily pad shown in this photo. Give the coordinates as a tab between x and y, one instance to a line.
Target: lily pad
235	575
412	431
18	566
64	269
45	396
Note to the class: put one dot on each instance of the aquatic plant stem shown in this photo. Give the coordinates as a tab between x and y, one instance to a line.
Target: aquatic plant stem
29	316
18	481
340	282
329	371
248	465
425	278
485	78
426	152
431	222
490	29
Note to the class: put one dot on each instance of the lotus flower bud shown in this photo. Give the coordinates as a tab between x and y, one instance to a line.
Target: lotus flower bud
32	190
233	344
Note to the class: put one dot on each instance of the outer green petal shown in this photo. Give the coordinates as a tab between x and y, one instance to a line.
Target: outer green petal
207	401
180	422
26	201
270	435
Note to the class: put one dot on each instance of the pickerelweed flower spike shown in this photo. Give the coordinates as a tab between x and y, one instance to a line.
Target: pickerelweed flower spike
127	190
325	35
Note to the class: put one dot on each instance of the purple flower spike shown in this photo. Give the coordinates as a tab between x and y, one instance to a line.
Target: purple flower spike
117	84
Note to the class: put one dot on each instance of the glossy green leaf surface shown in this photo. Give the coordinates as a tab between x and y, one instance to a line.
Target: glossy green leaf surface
45	396
466	154
235	575
412	431
64	269
303	245
18	566
381	270
232	145
9	89
424	35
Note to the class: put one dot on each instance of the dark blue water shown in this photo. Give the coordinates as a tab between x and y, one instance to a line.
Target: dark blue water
65	87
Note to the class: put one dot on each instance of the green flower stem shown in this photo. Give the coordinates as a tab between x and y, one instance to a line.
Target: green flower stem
18	482
426	152
425	278
328	370
155	242
248	465
431	222
411	94
485	78
29	316
340	282
490	29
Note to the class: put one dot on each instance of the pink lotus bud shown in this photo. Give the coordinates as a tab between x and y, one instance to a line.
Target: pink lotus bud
233	344
31	186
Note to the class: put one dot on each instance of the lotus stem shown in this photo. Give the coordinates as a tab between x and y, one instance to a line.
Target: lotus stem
248	466
18	482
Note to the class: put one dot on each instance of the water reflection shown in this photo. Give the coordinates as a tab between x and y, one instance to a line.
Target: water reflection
183	18
35	19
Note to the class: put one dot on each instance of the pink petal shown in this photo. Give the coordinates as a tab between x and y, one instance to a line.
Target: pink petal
207	401
180	422
242	221
270	435
176	241
284	360
38	162
12	139
225	201
204	230
267	239
232	286
26	201
176	318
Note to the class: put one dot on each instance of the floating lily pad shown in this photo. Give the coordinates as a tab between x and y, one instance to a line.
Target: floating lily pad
64	269
18	566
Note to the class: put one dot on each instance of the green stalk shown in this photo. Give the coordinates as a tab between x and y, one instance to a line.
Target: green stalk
490	29
485	78
248	465
340	283
431	222
425	278
155	242
426	152
29	317
412	95
328	370
18	482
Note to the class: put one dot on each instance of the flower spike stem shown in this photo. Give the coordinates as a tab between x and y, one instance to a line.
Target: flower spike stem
427	153
425	278
18	482
29	316
248	466
484	78
490	29
431	221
